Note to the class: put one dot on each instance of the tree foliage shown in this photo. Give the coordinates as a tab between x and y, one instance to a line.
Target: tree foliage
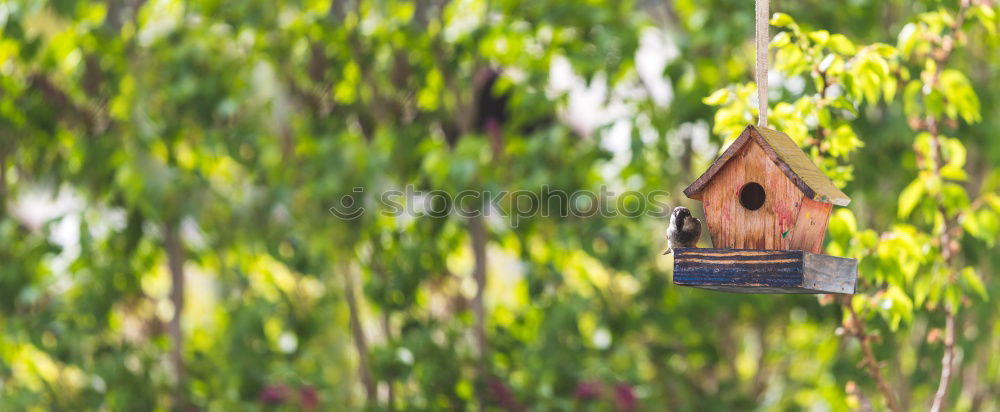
168	169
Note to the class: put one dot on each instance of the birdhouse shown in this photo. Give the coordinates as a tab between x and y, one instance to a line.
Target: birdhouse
767	207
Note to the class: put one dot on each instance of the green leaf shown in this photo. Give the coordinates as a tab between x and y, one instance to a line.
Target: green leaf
954	198
791	60
988	223
819	37
841	44
842	224
781	20
921	289
923	146
934	103
987	17
974	282
910	197
908	37
842	103
889	86
824	117
954	173
961	98
993	200
911	98
827	62
954	152
932	183
718	97
780	40
843	141
982	224
898	305
885	50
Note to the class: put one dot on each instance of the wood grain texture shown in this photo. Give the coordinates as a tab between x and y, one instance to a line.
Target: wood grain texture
836	274
733	226
695	189
799	164
810	226
786	155
763	271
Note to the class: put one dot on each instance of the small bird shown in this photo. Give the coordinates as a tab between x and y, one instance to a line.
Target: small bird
684	230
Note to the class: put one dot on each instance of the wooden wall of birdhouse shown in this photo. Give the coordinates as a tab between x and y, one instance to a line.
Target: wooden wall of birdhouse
765	193
731	223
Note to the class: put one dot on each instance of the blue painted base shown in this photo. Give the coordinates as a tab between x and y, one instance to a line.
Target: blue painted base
763	271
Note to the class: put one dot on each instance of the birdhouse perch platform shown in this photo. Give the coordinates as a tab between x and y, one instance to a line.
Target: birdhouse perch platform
767	207
763	271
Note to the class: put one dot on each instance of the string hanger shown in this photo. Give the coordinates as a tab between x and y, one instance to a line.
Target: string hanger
760	72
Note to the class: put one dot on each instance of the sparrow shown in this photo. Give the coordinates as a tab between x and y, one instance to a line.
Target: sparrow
684	229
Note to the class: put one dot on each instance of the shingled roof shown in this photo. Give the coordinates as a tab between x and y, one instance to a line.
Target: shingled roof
790	159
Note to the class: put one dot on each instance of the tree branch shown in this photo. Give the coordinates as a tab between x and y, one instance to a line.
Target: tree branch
947	362
175	261
857	329
947	249
3	181
762	376
64	104
358	333
387	331
477	231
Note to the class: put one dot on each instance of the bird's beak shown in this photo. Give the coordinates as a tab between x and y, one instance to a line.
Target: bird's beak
666	252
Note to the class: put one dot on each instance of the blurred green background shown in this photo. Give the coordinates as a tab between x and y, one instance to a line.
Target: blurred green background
167	169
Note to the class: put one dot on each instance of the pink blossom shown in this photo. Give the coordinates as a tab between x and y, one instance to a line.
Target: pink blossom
625	397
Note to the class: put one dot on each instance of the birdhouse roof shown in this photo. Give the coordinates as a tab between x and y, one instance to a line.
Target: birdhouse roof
790	159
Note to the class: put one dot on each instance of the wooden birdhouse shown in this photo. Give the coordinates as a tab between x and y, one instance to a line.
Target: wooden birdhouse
767	207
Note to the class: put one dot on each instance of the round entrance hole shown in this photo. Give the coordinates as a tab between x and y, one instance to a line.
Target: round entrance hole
752	196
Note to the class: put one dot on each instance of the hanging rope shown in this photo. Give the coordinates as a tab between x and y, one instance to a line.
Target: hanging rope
761	69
